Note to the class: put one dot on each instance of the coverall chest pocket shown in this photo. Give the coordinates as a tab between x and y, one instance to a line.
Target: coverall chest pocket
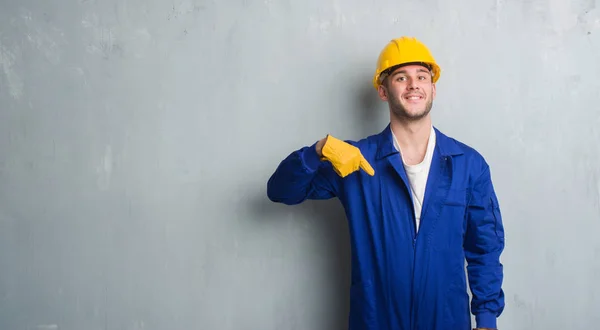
451	222
456	198
455	205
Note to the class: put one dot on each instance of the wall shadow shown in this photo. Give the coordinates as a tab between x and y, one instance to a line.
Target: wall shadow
329	219
371	113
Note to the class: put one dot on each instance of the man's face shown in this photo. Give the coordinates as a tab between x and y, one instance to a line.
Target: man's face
409	91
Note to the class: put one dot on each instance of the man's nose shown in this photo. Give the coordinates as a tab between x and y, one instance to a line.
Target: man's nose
412	84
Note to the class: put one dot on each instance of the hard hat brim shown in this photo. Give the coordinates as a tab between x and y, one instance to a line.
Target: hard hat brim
434	68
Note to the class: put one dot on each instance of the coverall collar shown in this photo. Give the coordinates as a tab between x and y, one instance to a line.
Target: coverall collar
445	145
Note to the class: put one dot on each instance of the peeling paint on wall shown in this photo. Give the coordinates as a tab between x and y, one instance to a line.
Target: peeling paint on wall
12	81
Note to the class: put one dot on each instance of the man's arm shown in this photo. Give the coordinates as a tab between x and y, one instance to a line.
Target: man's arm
303	175
484	243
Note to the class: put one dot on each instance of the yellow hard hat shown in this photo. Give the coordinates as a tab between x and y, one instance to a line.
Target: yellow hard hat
404	50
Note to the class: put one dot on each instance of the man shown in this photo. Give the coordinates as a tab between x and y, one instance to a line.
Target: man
418	204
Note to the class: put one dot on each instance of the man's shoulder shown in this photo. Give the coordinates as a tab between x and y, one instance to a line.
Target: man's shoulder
468	153
368	144
465	148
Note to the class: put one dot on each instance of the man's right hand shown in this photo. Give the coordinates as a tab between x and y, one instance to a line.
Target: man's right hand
344	157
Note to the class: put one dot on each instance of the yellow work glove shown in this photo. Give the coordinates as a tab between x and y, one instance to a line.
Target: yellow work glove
344	157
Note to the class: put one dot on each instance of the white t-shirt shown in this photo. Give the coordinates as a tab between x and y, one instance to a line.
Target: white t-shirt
417	175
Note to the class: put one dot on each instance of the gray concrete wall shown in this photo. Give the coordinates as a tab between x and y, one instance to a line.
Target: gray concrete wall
136	139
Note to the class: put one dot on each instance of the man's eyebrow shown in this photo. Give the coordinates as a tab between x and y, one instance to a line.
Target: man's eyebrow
404	71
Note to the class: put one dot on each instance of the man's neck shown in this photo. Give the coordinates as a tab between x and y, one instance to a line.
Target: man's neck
412	137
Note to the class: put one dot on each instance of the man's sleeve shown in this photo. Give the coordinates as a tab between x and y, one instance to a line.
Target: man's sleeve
302	175
484	243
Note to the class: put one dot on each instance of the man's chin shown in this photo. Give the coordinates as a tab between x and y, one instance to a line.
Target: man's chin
412	115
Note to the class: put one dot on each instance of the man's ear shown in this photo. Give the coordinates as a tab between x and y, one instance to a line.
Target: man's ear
433	91
382	92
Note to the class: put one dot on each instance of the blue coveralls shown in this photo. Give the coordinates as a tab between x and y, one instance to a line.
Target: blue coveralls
403	279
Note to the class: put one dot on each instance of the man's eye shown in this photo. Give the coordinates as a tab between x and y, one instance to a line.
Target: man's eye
401	78
422	78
